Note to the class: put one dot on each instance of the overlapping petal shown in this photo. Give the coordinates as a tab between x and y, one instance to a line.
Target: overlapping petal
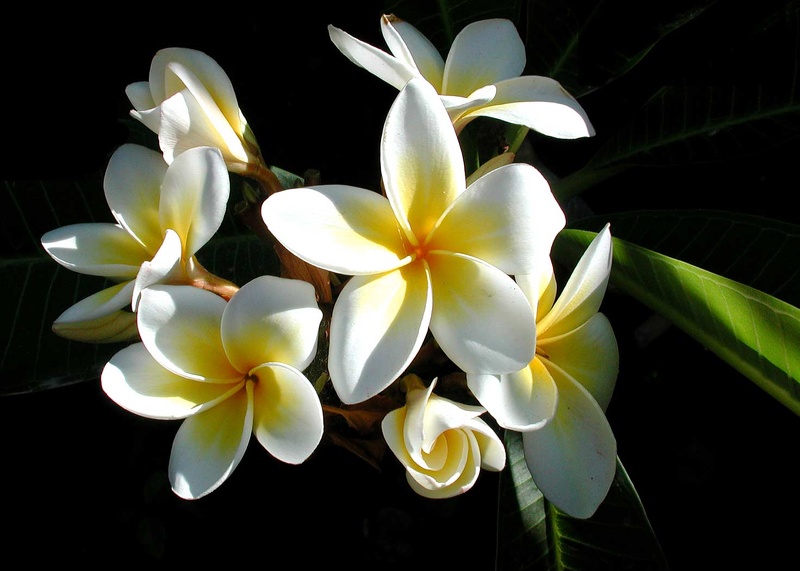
521	401
421	163
411	47
132	186
209	445
573	457
138	383
480	318
180	326
483	53
378	325
271	319
508	218
100	318
194	197
288	417
537	102
340	228
390	69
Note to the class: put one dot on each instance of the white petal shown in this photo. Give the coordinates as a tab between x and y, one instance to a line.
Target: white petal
508	218
132	185
271	319
411	47
588	354
180	326
136	382
194	197
457	105
377	62
288	414
585	289
519	401
179	67
209	445
99	305
140	96
483	53
458	475
492	449
378	325
164	265
421	161
190	119
481	318
539	103
573	458
340	228
96	248
99	318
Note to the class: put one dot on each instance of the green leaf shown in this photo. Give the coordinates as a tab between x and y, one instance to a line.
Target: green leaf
586	45
755	333
710	114
534	535
759	252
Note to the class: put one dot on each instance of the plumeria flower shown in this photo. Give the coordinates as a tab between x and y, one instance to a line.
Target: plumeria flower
443	444
230	369
164	213
558	400
431	254
189	102
480	77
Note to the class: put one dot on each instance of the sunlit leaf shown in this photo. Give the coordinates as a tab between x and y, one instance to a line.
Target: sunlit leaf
758	252
755	333
533	535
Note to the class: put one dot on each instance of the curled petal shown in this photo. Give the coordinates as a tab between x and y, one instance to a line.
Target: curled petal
96	248
132	185
457	474
189	119
378	325
588	354
508	218
143	104
390	69
288	414
100	318
519	401
136	382
413	49
483	53
421	161
573	458
194	197
457	106
540	287
271	319
429	416
174	68
165	264
209	445
180	326
481	318
539	103
492	449
583	294
340	228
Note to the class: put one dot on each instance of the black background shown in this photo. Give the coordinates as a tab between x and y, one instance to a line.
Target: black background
83	481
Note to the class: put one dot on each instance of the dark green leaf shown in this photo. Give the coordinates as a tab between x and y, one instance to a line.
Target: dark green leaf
753	332
533	535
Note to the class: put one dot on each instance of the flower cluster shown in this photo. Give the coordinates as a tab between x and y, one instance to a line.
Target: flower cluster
441	266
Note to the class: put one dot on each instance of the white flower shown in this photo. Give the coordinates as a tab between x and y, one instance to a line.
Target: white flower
558	400
230	369
189	102
480	77
443	444
433	253
164	215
